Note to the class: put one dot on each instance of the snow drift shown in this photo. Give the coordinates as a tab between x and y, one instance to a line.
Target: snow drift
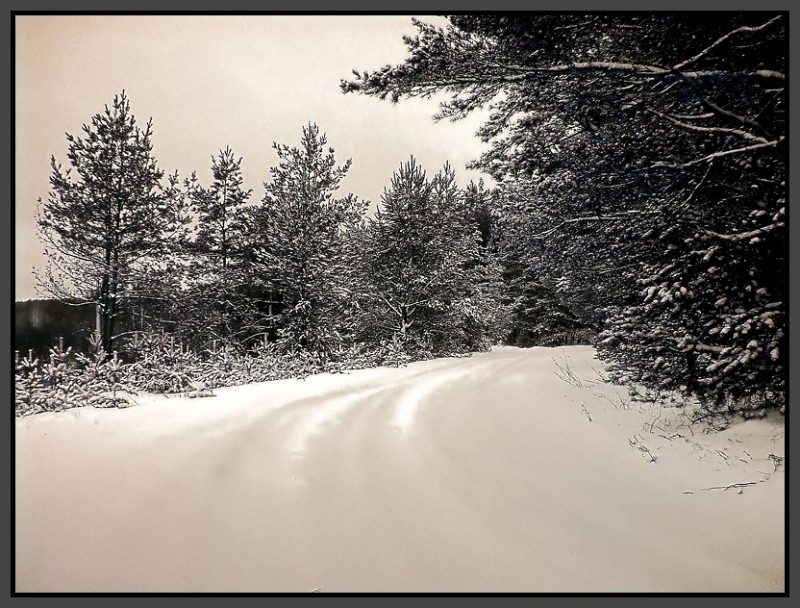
485	474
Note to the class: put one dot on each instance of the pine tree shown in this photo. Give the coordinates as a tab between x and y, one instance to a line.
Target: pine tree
298	238
422	266
483	207
101	223
216	251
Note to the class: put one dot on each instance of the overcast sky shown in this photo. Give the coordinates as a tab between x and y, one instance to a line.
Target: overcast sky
214	81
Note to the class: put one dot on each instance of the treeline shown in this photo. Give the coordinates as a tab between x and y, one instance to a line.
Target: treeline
193	285
305	269
640	203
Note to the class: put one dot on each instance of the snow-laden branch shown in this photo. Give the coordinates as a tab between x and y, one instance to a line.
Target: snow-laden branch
495	74
687	344
721	130
697	161
693	116
610	217
745	120
635	69
743	236
721	39
707	348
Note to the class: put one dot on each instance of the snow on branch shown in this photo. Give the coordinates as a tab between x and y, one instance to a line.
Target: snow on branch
743	236
637	69
723	130
484	83
716	43
594	218
732	115
697	161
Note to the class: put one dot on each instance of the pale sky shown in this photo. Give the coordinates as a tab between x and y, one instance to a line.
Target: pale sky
214	81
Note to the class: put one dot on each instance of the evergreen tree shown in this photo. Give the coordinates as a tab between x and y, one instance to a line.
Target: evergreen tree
427	280
100	224
299	234
216	267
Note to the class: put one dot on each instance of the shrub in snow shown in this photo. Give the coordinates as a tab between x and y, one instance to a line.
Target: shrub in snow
355	356
393	352
163	364
29	388
67	380
102	378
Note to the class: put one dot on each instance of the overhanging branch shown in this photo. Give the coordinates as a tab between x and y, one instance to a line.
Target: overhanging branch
720	130
710	157
720	40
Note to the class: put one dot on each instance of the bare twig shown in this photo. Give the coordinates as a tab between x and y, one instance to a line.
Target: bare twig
620	403
656	419
733	485
634	443
745	120
776	461
643	448
566	374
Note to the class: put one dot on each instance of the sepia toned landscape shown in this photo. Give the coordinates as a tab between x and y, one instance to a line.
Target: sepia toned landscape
473	303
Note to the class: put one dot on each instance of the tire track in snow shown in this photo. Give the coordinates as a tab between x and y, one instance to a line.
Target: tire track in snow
476	474
322	415
414	397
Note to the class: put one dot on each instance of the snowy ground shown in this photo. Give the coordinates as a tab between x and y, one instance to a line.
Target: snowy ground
483	474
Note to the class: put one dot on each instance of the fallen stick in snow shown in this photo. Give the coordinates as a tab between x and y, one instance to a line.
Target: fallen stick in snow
730	487
733	485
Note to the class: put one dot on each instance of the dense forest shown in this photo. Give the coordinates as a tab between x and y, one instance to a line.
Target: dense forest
638	203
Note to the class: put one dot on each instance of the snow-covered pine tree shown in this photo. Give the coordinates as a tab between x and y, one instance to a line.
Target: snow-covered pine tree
165	364
100	222
214	308
548	290
712	319
29	386
298	236
100	378
489	314
422	267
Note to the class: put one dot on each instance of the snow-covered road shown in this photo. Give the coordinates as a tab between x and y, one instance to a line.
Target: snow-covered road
487	473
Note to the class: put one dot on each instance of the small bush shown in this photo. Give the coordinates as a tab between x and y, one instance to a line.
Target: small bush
162	363
67	380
